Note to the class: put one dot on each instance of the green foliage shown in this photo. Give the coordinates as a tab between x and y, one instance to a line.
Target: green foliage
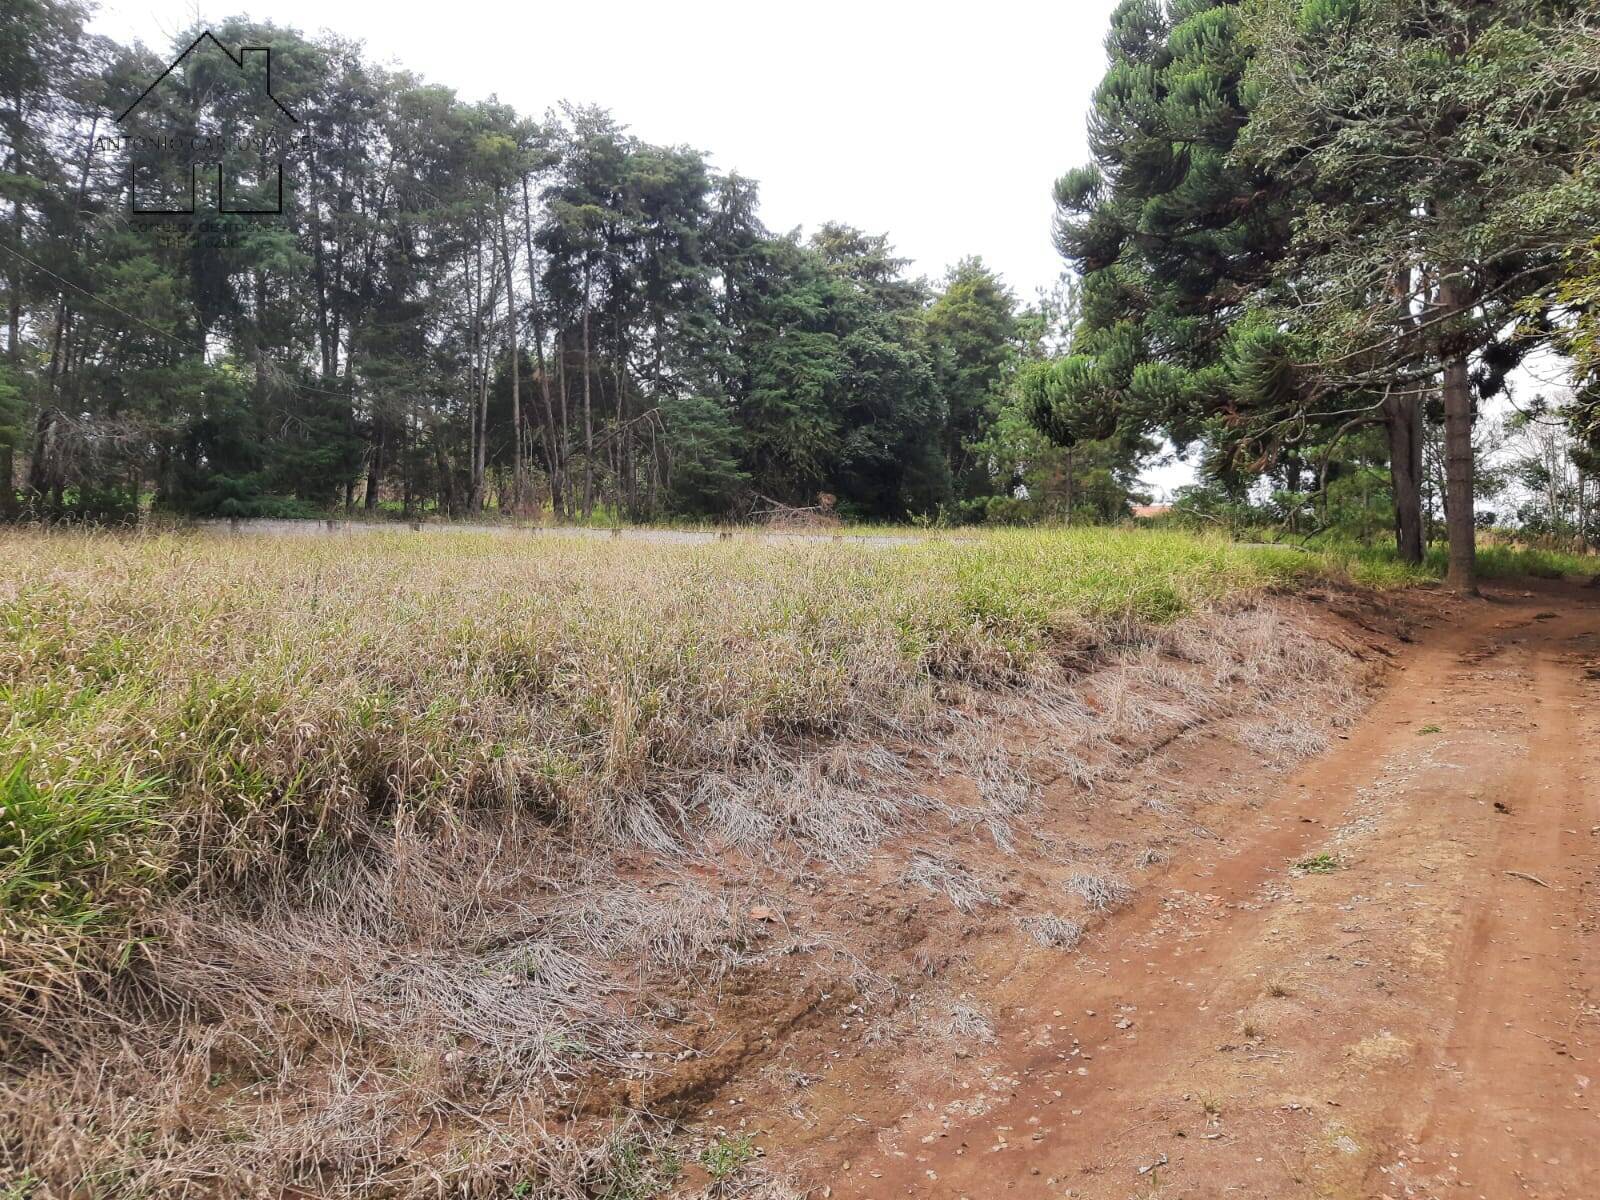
78	857
1442	158
1578	293
1031	476
1500	561
1299	211
838	393
725	1157
55	851
1318	864
703	445
971	331
640	1168
1170	235
459	309
13	404
1473	125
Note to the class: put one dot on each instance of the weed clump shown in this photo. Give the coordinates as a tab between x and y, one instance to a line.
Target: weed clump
1101	893
1318	864
1048	929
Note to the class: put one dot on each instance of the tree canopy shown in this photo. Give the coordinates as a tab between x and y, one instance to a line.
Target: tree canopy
461	309
1309	217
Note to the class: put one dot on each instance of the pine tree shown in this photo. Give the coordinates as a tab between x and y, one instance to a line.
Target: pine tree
971	331
1443	158
1176	240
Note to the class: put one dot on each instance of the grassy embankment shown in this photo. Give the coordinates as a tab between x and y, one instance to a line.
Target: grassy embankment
178	710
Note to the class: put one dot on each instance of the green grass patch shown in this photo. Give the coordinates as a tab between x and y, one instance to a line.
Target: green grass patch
69	848
78	860
1378	566
1318	864
724	1158
639	1168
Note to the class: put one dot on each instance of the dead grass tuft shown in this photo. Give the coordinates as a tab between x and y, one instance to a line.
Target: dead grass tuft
1048	929
937	873
1100	892
966	1025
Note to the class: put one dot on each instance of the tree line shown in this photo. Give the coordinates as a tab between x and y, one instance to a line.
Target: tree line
463	310
1315	239
1321	234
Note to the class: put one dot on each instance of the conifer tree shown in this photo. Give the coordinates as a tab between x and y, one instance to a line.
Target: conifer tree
1179	244
1442	159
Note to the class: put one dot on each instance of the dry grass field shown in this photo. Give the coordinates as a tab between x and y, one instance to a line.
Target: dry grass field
365	866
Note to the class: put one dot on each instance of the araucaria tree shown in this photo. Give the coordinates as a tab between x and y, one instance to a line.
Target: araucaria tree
1307	217
1441	154
1175	240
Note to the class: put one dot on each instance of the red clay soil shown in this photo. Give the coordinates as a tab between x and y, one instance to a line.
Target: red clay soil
1381	980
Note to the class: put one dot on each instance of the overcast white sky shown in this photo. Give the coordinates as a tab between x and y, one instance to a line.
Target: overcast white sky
941	126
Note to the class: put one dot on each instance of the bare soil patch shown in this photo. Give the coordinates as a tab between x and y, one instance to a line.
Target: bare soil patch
1373	977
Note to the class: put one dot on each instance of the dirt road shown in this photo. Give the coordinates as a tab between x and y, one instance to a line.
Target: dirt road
1412	1012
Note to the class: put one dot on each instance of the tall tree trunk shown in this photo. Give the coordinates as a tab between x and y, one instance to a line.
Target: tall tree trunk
14	273
1462	576
552	443
485	310
408	490
42	464
8	452
319	275
56	337
588	407
1402	419
480	465
1460	525
566	425
480	477
13	346
258	340
1583	513
447	479
625	496
374	464
518	483
475	294
8	488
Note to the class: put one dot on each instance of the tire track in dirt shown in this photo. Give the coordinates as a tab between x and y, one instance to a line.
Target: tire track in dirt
1507	1111
1248	1029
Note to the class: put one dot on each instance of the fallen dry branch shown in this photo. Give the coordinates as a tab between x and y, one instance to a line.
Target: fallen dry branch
1528	877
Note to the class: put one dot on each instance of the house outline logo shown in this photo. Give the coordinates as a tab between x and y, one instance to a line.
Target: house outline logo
238	60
